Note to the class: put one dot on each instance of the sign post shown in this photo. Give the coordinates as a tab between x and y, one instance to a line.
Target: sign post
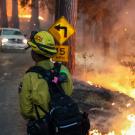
62	31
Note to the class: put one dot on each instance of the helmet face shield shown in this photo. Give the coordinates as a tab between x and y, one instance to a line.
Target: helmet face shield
43	43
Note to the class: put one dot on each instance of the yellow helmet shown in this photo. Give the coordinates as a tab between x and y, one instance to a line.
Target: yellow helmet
43	43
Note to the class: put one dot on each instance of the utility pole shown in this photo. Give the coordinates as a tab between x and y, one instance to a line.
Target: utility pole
68	9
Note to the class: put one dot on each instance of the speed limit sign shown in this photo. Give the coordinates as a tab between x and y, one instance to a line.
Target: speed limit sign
62	55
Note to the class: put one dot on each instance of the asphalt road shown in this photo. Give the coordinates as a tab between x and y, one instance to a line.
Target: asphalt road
12	67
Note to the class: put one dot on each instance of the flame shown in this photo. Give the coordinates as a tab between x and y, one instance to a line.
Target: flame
115	77
128	104
90	82
125	29
113	104
129	129
23	12
29	16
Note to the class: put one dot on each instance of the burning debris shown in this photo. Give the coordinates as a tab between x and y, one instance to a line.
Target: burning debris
110	96
110	112
109	73
129	130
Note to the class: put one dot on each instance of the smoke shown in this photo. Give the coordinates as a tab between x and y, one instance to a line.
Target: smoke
105	48
123	32
105	57
110	26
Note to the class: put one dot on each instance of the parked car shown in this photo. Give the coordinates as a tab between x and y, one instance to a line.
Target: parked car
12	38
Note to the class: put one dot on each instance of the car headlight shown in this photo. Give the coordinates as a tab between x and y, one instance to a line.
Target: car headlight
4	40
25	41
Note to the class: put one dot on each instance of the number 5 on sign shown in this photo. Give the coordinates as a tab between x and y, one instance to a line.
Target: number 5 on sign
62	55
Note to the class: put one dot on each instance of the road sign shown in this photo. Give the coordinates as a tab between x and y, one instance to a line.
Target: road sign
61	30
62	55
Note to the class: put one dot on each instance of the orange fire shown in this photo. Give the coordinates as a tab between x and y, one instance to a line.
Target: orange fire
129	130
115	77
29	16
24	12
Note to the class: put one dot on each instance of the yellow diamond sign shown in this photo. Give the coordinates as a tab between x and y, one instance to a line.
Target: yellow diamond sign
61	30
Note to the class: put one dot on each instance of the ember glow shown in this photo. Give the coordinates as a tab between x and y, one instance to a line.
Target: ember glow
24	12
115	77
112	70
29	16
128	130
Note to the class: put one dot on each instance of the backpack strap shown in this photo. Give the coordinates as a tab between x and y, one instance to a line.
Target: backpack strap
37	113
62	76
48	75
57	67
44	73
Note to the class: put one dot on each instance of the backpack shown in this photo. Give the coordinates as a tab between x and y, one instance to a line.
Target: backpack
64	117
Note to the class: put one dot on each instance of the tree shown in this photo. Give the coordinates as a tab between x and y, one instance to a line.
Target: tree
15	18
24	2
68	8
34	5
50	5
104	14
0	13
34	25
4	19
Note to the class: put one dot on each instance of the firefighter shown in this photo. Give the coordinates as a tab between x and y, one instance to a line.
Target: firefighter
33	89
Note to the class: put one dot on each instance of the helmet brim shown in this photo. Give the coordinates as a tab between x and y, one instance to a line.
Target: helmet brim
34	48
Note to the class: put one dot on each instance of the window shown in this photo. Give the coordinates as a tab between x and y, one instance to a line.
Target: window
11	32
